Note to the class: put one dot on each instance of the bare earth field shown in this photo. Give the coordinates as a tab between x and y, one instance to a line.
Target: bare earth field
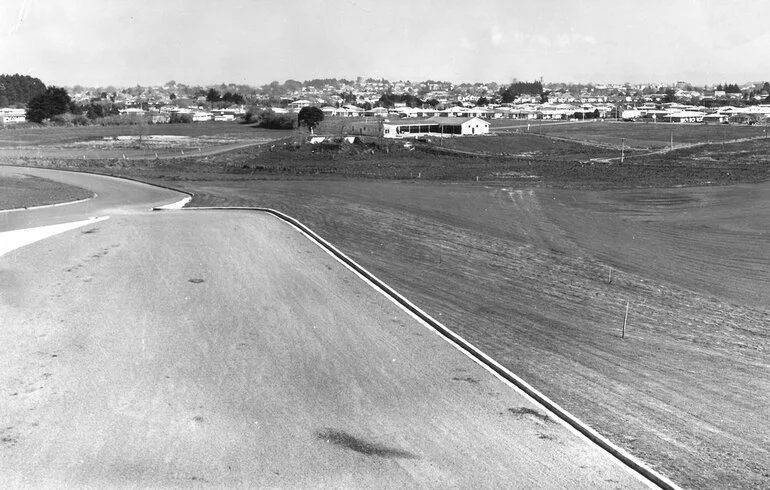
24	191
521	267
650	136
128	141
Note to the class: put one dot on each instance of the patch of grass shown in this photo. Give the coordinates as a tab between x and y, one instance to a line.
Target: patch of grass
28	191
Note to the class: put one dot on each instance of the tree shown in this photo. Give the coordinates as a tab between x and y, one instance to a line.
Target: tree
213	95
483	101
53	102
310	117
233	98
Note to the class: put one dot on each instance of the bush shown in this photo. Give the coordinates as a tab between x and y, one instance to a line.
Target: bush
271	120
177	118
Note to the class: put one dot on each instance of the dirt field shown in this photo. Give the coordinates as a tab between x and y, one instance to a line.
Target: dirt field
24	191
650	136
127	141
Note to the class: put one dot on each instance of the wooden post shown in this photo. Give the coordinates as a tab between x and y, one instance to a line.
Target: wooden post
625	320
622	149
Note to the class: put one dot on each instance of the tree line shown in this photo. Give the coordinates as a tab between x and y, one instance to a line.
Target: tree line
517	89
17	90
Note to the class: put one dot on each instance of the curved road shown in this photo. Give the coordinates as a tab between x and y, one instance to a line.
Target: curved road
223	347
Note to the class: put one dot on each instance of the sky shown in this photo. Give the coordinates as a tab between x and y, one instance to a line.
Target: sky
202	42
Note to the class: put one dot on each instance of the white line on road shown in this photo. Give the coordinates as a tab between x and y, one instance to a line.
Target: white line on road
11	240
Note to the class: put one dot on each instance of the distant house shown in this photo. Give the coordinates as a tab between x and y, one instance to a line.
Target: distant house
684	116
202	116
631	114
298	104
223	115
12	116
329	111
716	118
132	111
377	111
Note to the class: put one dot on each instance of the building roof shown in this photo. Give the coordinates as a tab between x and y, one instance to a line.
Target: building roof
452	121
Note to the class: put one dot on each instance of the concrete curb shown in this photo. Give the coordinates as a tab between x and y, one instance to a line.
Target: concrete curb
49	205
645	473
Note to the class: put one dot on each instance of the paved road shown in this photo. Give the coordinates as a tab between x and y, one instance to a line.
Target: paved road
113	197
224	348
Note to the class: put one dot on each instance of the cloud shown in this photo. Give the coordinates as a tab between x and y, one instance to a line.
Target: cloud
496	36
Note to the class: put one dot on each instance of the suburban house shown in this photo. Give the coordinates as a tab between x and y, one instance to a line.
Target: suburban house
717	117
223	115
685	116
132	112
298	104
202	116
12	116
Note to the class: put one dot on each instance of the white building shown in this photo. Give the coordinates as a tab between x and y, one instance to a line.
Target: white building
12	116
201	116
223	115
298	104
435	126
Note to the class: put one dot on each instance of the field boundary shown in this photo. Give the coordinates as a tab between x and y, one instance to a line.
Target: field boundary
630	462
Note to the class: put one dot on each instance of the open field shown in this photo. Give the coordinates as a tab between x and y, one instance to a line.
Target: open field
24	191
128	141
530	145
649	136
520	267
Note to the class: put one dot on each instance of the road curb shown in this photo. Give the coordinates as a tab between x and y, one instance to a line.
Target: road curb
58	204
645	473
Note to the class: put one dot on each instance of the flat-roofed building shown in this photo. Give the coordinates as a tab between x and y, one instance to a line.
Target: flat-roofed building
12	116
